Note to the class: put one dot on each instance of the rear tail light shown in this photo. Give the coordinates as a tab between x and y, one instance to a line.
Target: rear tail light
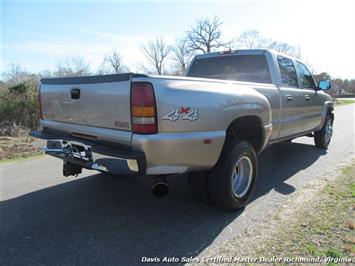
143	108
39	107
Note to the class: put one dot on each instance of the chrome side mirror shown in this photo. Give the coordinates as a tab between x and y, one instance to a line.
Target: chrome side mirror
324	85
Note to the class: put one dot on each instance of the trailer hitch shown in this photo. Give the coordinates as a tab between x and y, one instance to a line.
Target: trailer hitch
71	169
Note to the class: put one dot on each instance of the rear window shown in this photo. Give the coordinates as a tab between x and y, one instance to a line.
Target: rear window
251	68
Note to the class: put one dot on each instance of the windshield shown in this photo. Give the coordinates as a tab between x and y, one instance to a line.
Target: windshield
251	68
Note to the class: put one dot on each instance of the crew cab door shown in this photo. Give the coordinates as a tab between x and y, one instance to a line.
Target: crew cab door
292	99
312	100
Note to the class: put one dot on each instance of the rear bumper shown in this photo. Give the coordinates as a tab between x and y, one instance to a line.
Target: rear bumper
181	152
157	154
99	155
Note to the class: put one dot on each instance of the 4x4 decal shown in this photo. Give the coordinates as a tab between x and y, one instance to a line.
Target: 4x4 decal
185	112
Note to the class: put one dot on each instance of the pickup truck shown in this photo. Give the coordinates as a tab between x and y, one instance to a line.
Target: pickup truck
210	124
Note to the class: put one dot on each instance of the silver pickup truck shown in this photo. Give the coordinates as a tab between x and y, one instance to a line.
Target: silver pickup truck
210	124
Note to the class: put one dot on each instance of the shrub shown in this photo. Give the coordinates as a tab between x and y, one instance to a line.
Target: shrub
18	104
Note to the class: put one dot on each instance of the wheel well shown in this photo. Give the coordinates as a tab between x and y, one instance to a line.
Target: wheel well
247	128
330	113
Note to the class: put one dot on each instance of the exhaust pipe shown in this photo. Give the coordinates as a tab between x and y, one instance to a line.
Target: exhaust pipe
160	187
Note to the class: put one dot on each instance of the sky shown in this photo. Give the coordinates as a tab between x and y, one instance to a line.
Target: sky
40	34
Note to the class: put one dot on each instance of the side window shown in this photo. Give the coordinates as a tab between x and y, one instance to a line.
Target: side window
305	76
288	72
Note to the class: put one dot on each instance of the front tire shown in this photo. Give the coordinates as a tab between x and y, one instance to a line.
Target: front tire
232	180
324	135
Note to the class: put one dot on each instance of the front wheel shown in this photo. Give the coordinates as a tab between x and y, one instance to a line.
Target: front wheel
232	180
324	135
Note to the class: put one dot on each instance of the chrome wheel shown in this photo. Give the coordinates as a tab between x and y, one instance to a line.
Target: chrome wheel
242	176
328	131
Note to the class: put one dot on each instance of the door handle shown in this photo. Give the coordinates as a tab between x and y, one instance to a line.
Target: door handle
75	93
289	98
307	97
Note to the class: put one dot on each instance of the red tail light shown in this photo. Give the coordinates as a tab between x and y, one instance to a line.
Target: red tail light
143	108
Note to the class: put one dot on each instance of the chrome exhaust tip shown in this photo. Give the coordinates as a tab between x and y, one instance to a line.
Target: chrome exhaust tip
160	187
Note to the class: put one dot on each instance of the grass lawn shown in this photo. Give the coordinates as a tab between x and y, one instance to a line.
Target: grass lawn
343	101
327	227
323	227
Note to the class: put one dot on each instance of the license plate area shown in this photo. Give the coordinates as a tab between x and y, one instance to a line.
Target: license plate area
80	152
70	149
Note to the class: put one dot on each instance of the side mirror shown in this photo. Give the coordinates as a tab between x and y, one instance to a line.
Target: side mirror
324	85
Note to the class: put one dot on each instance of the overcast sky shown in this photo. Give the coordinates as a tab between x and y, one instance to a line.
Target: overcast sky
39	34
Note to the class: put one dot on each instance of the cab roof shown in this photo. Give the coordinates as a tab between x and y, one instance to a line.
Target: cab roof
243	52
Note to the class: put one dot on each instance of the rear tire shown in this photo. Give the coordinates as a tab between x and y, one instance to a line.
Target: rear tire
199	187
323	137
232	180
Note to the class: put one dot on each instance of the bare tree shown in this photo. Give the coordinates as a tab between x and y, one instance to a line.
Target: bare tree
181	55
206	35
321	76
2	86
112	63
251	39
156	52
73	67
45	74
15	75
285	48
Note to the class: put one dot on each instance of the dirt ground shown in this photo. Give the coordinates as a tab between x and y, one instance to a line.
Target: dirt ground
17	147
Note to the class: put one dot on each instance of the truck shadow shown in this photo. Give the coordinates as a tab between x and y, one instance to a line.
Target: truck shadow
105	220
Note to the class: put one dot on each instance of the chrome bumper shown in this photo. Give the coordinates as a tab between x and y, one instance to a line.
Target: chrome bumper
103	157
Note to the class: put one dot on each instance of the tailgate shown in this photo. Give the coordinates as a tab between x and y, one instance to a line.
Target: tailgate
100	101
